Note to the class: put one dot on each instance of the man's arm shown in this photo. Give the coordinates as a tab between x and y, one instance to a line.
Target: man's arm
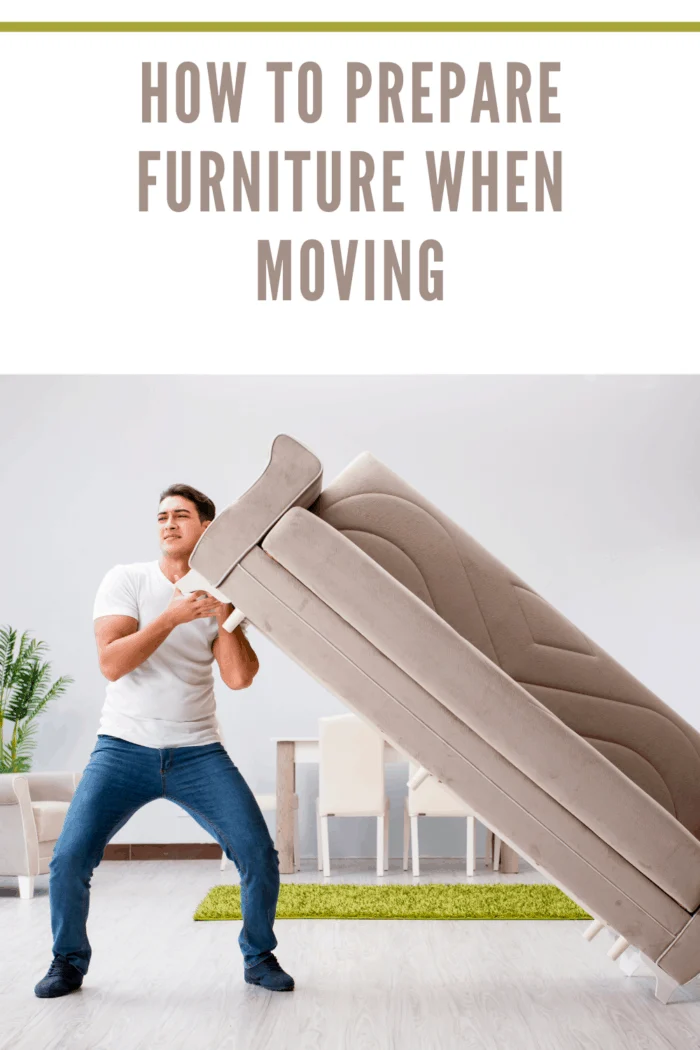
234	654
122	647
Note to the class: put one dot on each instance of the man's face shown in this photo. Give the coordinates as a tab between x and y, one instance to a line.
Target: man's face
179	526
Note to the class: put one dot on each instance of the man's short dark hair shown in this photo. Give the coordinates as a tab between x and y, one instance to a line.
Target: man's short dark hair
205	506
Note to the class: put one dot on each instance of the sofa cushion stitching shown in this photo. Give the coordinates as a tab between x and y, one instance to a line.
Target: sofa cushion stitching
454	547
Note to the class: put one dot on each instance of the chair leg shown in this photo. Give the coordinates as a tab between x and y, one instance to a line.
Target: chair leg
297	852
380	845
224	858
326	847
386	836
319	838
26	886
470	847
414	847
406	835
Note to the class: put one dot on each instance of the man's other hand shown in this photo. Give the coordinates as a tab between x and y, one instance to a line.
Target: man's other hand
195	606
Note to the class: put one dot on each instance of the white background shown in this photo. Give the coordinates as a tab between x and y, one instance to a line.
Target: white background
588	489
90	284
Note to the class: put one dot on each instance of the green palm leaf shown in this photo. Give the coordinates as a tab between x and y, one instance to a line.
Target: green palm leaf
31	683
25	690
38	703
25	742
8	640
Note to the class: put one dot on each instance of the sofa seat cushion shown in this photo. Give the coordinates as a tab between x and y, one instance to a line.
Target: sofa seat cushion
49	817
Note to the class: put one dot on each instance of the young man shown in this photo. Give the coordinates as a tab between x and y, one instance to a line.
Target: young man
159	738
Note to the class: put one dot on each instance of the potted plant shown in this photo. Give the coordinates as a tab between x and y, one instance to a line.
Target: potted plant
25	691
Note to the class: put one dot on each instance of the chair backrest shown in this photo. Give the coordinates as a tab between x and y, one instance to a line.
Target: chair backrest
433	799
351	766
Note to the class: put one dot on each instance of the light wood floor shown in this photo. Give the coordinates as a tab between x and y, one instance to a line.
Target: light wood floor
159	981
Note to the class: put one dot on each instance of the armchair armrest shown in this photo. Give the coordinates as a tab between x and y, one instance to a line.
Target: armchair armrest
8	794
19	846
411	634
52	786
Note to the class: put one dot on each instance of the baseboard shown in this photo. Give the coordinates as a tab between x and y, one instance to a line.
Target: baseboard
162	851
202	851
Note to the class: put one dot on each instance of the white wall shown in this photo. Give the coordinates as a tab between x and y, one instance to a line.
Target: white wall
587	487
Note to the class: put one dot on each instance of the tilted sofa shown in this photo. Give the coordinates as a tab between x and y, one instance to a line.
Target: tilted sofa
559	750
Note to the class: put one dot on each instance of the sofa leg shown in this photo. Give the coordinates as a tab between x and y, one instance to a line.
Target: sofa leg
620	945
594	929
26	886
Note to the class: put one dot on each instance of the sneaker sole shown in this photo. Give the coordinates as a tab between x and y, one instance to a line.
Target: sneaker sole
259	984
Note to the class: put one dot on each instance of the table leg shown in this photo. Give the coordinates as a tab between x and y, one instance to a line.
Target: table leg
488	854
509	860
286	785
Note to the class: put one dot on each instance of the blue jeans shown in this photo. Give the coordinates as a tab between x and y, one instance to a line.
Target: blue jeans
120	778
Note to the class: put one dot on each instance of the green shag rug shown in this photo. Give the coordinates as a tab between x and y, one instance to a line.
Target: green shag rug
429	901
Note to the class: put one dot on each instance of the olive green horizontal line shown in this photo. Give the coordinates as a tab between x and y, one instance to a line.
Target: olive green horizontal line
349	27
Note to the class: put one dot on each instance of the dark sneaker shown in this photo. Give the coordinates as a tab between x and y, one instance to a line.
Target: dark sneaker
269	974
62	978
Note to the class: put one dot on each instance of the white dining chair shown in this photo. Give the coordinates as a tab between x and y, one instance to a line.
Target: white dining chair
433	799
268	804
351	782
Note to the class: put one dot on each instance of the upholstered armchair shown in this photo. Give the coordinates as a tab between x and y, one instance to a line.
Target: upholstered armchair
33	807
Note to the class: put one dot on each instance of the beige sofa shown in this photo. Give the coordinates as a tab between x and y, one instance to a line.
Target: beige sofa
556	748
33	807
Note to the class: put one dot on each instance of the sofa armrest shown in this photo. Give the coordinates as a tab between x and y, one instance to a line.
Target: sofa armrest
407	631
19	846
52	786
293	477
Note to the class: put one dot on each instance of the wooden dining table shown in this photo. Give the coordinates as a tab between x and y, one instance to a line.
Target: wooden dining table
305	749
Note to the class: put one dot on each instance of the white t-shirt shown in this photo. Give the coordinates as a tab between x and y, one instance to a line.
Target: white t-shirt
168	701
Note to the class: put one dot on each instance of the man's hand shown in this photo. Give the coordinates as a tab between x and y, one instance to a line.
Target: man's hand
222	612
195	606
